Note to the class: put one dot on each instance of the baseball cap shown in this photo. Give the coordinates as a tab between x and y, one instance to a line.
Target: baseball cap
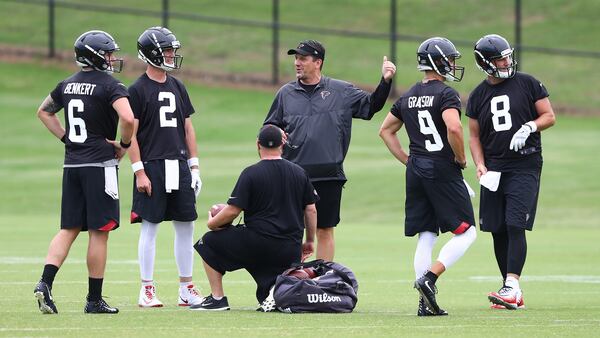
309	47
270	136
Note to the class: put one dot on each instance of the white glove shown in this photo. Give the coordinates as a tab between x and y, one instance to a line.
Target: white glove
196	181
520	137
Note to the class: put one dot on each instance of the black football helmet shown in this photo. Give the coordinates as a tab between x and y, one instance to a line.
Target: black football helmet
151	45
91	48
492	47
439	54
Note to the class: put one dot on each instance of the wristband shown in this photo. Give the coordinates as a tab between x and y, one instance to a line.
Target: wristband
532	125
137	166
64	138
193	162
124	145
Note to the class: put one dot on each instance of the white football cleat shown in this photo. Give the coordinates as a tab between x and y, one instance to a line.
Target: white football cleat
189	296
148	297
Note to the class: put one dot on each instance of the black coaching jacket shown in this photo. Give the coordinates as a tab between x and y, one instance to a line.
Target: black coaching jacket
319	124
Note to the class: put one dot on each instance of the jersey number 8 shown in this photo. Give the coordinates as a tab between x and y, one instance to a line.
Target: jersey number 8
497	113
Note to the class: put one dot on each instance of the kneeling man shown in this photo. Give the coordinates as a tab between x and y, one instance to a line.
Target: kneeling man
278	201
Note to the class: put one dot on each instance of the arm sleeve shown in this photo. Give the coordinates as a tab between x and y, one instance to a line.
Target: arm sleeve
395	110
365	105
188	108
539	91
450	99
240	196
116	91
310	193
470	107
275	115
56	94
134	102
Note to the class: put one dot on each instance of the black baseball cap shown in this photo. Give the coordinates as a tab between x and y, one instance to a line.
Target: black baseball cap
309	47
270	136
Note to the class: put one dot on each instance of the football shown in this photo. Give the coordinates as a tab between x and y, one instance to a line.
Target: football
300	274
310	272
215	209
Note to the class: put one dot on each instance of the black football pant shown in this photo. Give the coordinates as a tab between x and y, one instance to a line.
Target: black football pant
510	248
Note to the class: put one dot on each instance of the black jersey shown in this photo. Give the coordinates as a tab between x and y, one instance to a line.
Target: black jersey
90	119
273	195
501	110
421	111
161	109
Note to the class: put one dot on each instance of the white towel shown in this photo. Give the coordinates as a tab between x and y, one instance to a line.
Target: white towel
111	185
490	180
171	175
469	189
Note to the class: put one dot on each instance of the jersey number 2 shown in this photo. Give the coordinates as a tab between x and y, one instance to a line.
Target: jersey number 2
165	121
503	113
76	105
427	127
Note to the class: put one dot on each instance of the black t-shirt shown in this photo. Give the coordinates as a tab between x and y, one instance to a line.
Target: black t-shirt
501	110
421	111
273	195
161	109
90	119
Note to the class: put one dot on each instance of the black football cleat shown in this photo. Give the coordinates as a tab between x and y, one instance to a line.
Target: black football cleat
43	294
427	289
211	304
99	306
424	311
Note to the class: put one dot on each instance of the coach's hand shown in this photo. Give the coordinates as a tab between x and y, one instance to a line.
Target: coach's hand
481	170
520	137
388	69
196	181
142	182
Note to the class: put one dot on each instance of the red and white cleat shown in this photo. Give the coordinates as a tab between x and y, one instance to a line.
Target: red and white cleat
189	296
148	297
507	297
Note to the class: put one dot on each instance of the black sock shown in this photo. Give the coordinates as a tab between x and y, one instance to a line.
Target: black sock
94	289
432	276
49	273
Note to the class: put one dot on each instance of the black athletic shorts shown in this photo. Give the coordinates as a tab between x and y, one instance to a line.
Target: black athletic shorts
329	203
514	203
84	204
437	199
178	205
239	247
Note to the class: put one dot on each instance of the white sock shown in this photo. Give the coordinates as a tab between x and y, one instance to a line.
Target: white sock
184	285
512	282
146	283
217	298
147	249
456	247
184	247
422	260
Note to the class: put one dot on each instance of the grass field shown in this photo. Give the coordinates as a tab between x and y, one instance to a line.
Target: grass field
246	51
561	278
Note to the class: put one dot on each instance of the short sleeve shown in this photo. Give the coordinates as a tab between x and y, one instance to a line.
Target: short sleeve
396	109
539	91
56	94
471	112
450	99
188	108
310	193
240	196
135	102
116	91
